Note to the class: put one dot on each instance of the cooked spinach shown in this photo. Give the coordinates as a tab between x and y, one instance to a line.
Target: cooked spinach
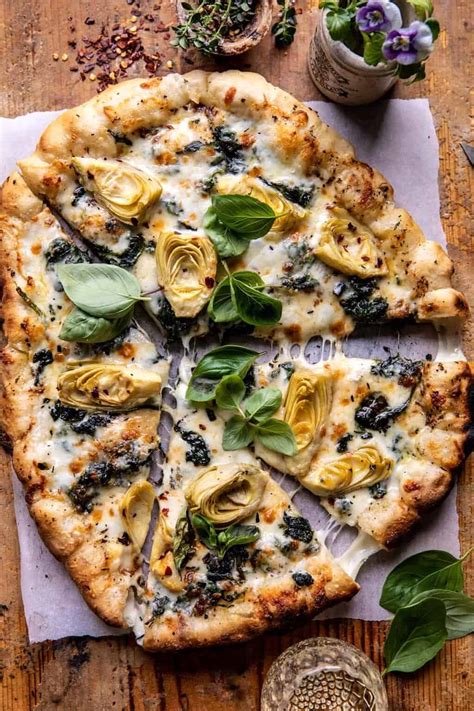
173	326
300	282
41	358
192	147
302	580
172	207
198	453
357	299
222	568
77	195
158	606
229	149
125	259
407	372
299	194
298	528
63	252
80	421
374	412
120	137
343	442
301	256
108	347
378	490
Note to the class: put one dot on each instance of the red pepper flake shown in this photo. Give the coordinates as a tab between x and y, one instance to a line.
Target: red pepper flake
168	570
165	512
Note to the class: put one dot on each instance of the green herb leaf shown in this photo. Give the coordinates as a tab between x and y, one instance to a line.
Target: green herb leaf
459	610
226	242
416	635
183	540
262	404
420	572
251	305
221	307
244	214
236	535
423	8
230	392
226	360
373	47
205	530
238	433
101	290
277	436
83	328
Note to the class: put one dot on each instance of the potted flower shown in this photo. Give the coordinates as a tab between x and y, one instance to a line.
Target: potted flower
361	47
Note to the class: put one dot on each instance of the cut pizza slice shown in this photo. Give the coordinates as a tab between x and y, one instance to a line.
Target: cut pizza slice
231	556
82	418
380	442
157	175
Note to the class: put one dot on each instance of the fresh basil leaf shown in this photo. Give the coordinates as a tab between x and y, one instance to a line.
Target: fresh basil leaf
238	433
252	305
244	214
459	610
236	535
183	540
416	635
226	242
230	392
82	328
221	307
277	436
262	404
100	290
226	360
420	572
373	47
205	530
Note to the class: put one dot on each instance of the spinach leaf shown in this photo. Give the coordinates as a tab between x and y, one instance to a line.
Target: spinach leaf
357	300
238	433
428	570
277	436
100	290
65	252
300	194
244	214
230	392
416	635
183	540
406	371
227	242
298	528
226	360
459	610
262	404
229	148
374	413
198	453
83	328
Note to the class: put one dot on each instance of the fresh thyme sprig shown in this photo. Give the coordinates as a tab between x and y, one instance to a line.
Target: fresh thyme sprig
285	29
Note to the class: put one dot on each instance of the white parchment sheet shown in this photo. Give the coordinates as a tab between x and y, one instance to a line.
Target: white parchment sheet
398	138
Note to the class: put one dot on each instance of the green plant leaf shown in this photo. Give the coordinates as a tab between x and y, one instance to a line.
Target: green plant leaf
339	24
262	404
221	307
82	328
277	436
251	305
423	8
416	635
100	289
183	540
373	47
226	242
236	535
230	392
238	433
244	214
434	27
205	530
420	572
226	360
459	610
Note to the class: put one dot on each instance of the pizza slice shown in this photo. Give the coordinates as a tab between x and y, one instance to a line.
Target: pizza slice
82	418
380	442
190	179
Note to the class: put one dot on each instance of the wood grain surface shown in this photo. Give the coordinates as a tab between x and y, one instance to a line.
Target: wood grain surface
84	674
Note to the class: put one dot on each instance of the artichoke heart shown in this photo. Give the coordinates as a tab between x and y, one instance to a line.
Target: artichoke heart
307	404
349	247
291	214
102	386
161	558
123	189
354	470
136	508
227	493
186	270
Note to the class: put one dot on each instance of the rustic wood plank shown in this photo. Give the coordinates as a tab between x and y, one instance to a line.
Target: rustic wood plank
85	674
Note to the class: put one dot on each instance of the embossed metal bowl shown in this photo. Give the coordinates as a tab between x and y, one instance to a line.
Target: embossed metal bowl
323	674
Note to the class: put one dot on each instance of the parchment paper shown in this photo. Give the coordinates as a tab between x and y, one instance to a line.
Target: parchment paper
398	138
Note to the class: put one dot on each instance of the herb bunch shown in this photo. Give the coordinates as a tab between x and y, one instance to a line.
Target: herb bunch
284	29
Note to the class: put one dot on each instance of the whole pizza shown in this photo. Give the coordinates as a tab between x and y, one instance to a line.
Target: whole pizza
157	231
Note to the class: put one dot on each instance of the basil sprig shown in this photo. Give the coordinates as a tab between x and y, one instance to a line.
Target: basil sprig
223	540
425	592
233	221
253	419
218	363
239	296
104	296
183	540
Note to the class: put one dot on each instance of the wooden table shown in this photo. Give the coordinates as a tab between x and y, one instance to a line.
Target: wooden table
114	674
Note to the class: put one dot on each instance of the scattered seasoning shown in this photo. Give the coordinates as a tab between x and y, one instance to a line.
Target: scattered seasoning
64	57
55	56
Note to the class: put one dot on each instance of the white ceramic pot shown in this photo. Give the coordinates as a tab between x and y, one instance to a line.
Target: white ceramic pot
342	75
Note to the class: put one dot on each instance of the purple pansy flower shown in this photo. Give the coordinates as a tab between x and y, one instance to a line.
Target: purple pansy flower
410	44
378	16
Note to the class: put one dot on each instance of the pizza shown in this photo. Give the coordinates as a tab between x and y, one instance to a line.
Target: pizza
158	212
